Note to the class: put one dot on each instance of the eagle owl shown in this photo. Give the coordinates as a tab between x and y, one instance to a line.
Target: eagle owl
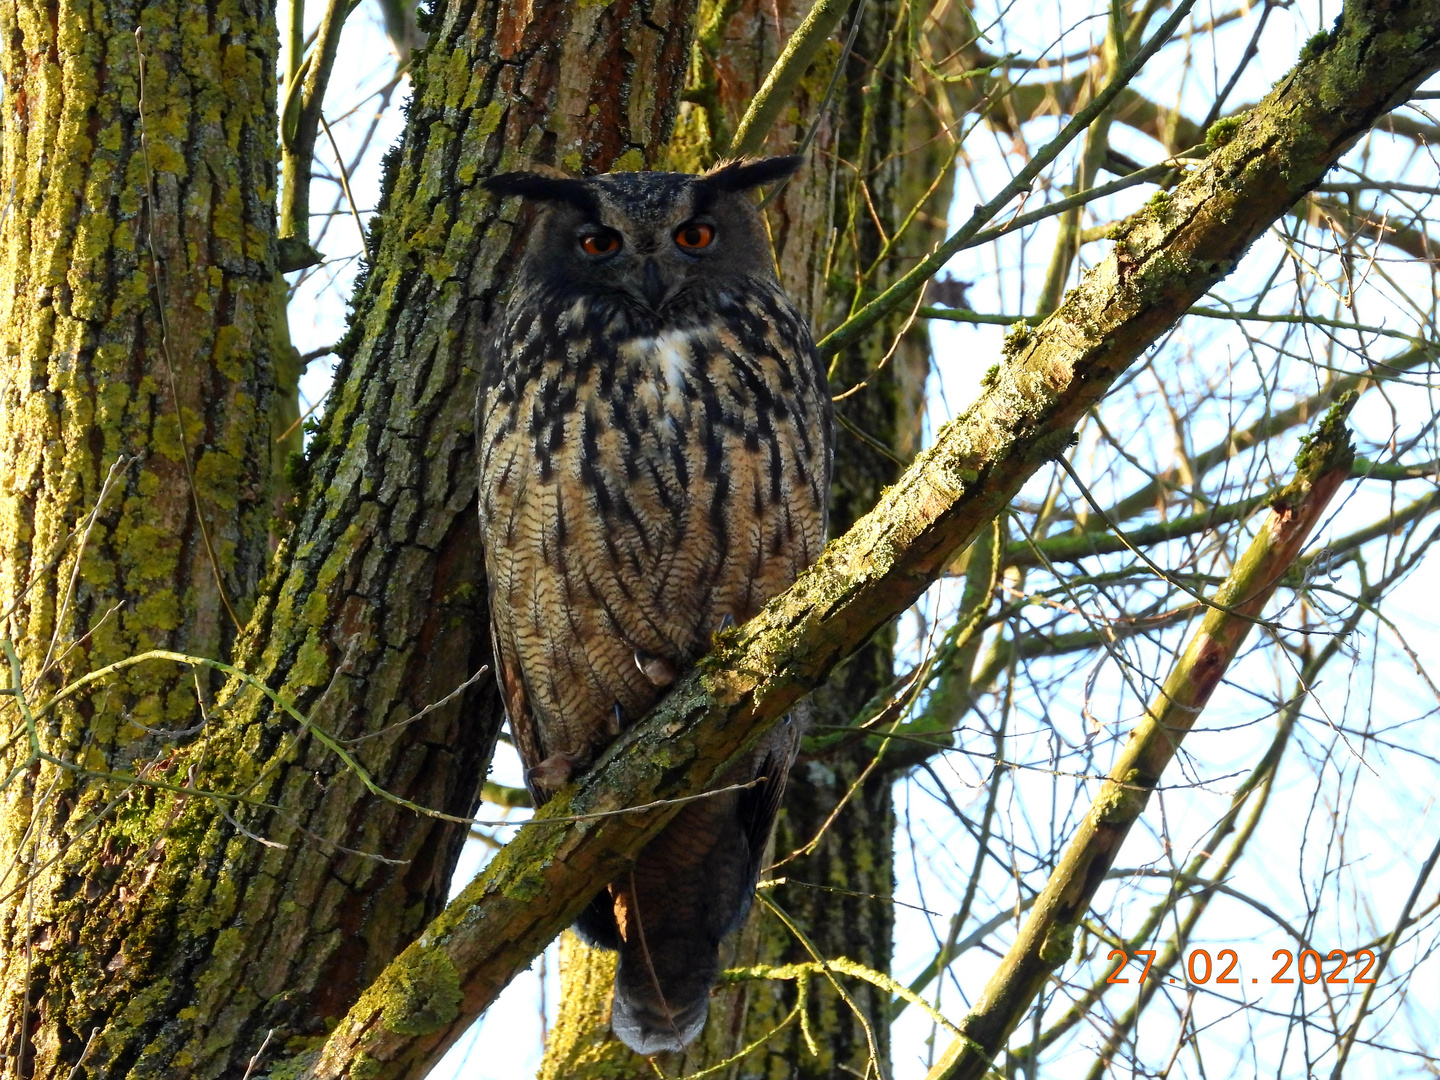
655	453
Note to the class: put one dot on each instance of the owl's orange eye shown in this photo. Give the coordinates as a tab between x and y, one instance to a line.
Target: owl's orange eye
600	243
694	235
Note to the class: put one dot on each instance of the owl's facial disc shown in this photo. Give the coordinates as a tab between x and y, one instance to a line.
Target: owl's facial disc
651	261
647	239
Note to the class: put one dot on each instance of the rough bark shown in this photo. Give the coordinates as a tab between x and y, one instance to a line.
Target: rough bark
143	327
167	929
1051	376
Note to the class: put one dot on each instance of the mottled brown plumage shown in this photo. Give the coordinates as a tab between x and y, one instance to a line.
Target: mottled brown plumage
655	455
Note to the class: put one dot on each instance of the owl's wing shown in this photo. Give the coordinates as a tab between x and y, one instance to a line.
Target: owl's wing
517	707
758	805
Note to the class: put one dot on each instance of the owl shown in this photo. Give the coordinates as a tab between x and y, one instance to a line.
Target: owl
655	450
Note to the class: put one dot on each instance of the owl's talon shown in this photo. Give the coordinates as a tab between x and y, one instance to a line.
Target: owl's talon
619	724
657	669
554	772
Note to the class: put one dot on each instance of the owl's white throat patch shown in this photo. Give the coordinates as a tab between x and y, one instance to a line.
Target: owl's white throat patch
670	352
671	355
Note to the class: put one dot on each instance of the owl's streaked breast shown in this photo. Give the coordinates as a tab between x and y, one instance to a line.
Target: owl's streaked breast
641	481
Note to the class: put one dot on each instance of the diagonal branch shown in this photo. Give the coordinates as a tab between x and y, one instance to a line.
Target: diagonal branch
1051	377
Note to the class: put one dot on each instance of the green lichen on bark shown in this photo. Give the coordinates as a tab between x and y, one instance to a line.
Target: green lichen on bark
419	994
1059	943
1222	131
1120	801
113	218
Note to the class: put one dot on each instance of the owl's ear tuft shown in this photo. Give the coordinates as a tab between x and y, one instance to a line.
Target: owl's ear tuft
539	187
750	173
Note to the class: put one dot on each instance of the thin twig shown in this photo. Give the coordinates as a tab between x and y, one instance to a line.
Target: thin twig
258	1053
872	312
345	187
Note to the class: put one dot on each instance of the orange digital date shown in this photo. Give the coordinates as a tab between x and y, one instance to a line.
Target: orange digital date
1311	967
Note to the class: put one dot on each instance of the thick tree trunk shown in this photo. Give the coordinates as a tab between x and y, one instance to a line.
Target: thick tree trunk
142	322
839	894
175	926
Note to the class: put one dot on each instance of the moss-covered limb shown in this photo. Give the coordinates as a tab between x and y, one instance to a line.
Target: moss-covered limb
111	220
1043	942
899	293
1006	109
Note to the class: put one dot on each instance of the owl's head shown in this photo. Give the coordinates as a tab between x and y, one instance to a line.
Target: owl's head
646	236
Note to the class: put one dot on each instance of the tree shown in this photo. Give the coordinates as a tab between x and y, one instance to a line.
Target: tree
248	724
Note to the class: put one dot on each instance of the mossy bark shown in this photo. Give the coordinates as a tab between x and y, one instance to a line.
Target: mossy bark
142	322
175	927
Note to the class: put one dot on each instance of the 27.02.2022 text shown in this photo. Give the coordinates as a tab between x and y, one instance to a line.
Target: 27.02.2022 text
1200	967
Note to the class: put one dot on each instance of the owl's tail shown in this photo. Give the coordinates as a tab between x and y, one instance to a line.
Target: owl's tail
692	885
662	993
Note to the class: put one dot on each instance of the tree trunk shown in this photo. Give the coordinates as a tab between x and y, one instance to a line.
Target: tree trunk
139	289
839	894
163	926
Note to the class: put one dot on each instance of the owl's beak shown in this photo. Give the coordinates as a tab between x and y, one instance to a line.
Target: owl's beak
653	286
